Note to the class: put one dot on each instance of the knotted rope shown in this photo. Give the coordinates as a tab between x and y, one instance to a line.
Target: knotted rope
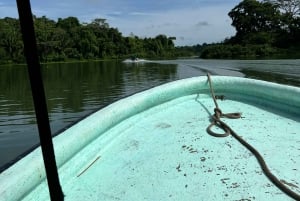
216	121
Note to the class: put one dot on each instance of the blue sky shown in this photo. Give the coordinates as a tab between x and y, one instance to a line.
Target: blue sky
190	21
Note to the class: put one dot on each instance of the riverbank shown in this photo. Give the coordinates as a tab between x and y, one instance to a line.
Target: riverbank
226	51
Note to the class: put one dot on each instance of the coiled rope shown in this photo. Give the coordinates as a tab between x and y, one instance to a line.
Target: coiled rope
216	121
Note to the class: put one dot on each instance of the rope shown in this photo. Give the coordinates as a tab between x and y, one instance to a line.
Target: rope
216	121
218	114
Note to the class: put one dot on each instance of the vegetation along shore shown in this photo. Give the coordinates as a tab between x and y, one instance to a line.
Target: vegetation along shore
264	29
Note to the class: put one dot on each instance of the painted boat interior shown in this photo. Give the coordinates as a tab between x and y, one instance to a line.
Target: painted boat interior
154	146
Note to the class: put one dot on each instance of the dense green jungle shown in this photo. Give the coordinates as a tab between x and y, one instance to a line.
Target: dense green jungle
264	29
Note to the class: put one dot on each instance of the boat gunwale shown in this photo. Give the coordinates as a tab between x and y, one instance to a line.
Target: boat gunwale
67	145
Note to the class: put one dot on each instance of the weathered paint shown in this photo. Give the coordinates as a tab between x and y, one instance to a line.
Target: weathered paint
154	146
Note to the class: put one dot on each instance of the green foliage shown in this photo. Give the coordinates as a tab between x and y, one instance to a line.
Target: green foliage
288	7
221	51
190	51
264	29
69	39
252	16
272	22
10	40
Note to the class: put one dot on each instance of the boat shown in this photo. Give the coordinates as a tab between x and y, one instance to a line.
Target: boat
161	144
177	141
134	60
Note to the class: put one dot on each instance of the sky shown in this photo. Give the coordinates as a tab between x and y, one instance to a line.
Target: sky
190	21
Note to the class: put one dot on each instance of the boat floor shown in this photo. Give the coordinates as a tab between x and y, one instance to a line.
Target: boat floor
165	153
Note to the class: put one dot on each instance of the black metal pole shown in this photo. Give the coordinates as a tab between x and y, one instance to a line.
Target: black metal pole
38	94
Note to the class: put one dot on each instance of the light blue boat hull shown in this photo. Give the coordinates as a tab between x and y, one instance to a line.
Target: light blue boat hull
154	146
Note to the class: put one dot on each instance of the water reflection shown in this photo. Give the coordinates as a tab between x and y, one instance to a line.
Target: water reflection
278	71
272	77
73	90
76	87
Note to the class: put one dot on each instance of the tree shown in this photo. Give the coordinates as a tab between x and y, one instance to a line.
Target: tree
289	7
99	23
68	23
45	32
253	16
290	22
87	43
10	39
68	38
256	23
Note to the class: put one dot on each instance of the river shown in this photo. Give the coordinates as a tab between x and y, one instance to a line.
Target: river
75	90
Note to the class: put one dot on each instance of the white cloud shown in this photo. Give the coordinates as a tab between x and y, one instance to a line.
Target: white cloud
202	24
143	14
189	26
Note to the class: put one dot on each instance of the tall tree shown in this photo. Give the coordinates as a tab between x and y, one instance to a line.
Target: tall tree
290	22
68	23
45	31
10	39
253	16
290	7
87	43
71	27
100	23
255	22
